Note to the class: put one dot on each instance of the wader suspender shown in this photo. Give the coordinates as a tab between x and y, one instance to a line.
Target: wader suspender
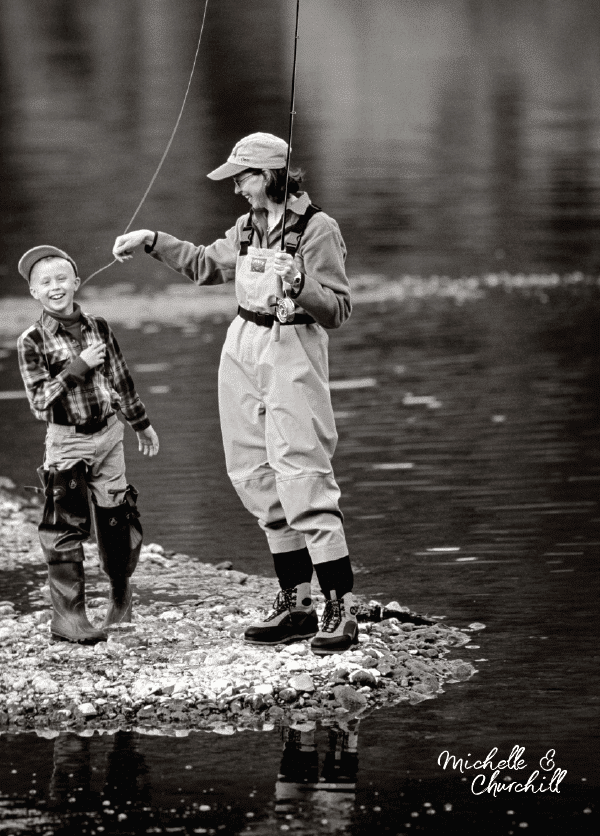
293	237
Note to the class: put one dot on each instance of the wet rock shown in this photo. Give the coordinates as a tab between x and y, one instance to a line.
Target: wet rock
288	695
349	698
363	677
224	565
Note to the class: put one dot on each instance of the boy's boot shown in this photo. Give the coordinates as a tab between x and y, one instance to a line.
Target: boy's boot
339	628
119	536
293	618
67	591
65	525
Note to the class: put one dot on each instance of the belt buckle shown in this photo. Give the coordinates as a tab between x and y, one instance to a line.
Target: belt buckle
262	319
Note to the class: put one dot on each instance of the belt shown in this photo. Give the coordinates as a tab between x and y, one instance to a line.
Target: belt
89	428
267	320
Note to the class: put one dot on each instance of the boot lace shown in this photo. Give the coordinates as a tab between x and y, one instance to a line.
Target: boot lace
284	602
332	616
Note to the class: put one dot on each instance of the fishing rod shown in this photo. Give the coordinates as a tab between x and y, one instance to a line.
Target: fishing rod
291	126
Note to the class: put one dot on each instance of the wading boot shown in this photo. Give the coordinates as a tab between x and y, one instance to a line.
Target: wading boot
293	619
67	591
339	628
119	535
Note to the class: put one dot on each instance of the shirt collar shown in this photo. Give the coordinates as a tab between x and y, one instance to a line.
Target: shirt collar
296	205
52	325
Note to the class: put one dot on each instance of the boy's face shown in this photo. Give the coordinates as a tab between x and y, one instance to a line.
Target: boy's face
53	282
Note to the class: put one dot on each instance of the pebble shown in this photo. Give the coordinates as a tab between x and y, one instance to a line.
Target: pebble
186	666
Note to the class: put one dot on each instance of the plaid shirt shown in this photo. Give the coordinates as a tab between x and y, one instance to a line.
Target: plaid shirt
58	394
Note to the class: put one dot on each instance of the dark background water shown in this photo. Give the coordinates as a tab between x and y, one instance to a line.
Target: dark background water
447	138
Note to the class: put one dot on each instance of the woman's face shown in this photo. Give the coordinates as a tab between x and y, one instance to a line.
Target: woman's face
251	185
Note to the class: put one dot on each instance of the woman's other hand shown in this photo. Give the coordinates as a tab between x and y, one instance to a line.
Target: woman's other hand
284	266
125	245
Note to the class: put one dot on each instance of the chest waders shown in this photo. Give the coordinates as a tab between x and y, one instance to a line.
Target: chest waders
276	416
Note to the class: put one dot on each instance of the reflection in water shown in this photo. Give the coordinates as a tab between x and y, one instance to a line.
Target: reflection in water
81	778
313	801
447	137
93	782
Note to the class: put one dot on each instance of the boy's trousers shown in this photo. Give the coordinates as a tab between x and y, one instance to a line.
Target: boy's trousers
102	452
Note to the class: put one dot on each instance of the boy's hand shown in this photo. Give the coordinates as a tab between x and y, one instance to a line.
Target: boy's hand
147	442
94	354
126	244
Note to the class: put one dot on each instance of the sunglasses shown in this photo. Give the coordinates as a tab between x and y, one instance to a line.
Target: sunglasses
238	182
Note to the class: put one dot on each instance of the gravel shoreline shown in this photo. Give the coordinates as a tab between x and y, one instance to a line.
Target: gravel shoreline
183	665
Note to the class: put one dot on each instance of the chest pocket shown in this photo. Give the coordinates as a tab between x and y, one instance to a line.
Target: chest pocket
57	361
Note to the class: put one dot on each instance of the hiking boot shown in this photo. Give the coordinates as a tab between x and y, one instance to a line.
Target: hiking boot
293	619
339	628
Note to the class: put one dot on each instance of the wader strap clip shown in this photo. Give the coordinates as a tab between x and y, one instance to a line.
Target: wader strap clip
246	236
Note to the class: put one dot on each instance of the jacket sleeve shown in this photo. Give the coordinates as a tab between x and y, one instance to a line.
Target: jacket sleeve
214	264
326	291
42	389
131	406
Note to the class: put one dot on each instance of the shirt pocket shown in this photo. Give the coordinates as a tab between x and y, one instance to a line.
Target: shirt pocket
58	360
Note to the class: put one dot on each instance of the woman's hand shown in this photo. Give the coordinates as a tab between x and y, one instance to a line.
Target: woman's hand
284	266
126	244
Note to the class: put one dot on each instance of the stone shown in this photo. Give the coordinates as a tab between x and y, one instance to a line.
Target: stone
363	677
302	682
288	694
297	649
87	709
224	565
349	698
44	685
266	689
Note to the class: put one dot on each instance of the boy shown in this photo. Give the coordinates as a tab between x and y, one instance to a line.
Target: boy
76	379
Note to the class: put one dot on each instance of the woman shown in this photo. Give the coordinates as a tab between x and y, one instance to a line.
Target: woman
276	416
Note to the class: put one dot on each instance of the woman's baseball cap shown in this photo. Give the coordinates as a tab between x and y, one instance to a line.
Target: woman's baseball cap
36	254
255	151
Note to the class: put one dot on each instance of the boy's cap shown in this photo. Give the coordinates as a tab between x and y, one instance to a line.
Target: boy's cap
36	254
255	151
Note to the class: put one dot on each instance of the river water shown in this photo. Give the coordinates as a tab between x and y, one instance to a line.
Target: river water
448	138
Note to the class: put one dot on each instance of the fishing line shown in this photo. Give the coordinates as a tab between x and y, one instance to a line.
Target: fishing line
291	126
169	143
